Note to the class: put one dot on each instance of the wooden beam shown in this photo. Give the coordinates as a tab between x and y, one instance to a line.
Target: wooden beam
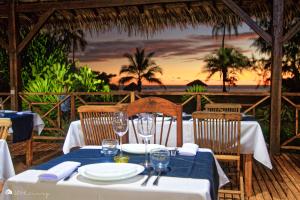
81	4
276	77
13	56
247	19
295	29
35	29
3	44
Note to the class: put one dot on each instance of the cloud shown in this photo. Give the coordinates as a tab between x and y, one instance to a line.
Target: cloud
190	46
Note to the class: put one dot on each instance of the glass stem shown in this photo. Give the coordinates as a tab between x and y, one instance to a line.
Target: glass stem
146	153
121	152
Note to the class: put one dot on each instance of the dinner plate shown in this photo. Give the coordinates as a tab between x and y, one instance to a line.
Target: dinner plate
110	171
139	148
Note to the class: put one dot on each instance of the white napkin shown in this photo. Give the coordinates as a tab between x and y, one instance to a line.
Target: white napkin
188	149
59	171
24	112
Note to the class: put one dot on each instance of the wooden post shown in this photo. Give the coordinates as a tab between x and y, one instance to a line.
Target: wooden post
13	56
198	100
277	28
132	97
73	107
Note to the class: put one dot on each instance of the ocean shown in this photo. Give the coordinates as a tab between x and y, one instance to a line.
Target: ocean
210	88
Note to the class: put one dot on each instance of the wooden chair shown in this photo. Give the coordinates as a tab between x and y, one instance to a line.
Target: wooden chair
220	131
168	110
5	123
96	123
223	107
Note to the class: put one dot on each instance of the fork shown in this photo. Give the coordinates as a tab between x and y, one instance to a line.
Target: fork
157	178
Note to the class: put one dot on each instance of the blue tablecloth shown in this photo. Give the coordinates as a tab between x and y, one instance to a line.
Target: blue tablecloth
22	125
201	166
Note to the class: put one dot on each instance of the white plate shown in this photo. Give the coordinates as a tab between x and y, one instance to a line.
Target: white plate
140	148
110	171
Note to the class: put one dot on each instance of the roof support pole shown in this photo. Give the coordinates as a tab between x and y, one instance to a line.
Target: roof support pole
276	77
13	56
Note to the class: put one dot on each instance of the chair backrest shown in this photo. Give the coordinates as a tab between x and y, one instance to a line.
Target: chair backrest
219	131
166	113
223	107
96	122
5	123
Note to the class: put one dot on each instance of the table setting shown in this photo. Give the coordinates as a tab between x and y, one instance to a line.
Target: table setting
124	171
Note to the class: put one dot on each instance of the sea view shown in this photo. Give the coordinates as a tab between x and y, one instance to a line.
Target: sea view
210	88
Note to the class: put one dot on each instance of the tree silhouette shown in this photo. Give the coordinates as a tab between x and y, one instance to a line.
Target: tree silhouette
141	67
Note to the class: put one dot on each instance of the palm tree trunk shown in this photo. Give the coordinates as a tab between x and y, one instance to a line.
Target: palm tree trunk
223	37
139	85
224	77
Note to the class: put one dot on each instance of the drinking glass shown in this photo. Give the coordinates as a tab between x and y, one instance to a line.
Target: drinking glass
109	147
160	158
146	128
120	126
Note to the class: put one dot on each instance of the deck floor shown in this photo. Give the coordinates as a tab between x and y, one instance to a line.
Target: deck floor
283	182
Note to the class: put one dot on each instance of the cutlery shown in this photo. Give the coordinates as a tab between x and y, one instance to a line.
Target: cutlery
157	178
73	172
150	173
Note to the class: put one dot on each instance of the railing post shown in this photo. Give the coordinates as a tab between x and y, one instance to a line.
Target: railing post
132	97
73	107
198	100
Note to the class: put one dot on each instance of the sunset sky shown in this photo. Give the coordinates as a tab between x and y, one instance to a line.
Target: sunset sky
178	52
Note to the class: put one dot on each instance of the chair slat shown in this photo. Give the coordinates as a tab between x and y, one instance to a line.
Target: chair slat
96	122
164	107
5	123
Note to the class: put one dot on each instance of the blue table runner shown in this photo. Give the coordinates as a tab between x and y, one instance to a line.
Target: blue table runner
22	125
201	166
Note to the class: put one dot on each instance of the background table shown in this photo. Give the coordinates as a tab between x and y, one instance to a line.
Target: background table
252	139
187	184
6	165
23	124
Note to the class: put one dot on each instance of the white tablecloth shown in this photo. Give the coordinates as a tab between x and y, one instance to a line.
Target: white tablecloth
6	165
252	139
26	186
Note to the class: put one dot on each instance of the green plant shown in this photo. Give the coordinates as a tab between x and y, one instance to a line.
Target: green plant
195	88
287	121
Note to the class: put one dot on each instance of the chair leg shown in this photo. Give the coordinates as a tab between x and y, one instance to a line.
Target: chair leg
242	188
29	152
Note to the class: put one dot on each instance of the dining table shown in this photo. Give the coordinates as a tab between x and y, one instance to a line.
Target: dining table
23	125
188	177
252	142
6	164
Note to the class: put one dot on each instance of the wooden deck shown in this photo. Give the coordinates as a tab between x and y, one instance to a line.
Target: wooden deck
283	182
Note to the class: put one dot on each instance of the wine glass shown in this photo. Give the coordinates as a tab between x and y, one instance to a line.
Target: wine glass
120	127
146	127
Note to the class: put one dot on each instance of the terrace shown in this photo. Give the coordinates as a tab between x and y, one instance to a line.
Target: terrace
279	183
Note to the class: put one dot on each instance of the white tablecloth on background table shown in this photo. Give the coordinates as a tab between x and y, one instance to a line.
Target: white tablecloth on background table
26	186
6	165
252	139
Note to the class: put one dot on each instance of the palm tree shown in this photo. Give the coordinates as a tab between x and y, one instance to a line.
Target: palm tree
141	67
75	39
226	61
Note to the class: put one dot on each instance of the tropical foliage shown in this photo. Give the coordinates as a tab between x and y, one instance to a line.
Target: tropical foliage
228	62
141	67
290	60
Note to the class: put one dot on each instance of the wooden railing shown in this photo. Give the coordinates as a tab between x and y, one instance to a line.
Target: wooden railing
59	109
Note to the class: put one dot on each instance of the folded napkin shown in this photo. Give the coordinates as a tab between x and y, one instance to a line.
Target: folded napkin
188	149
24	112
59	171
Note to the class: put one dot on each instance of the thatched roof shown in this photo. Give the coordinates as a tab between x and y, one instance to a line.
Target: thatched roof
135	17
131	87
138	17
196	82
